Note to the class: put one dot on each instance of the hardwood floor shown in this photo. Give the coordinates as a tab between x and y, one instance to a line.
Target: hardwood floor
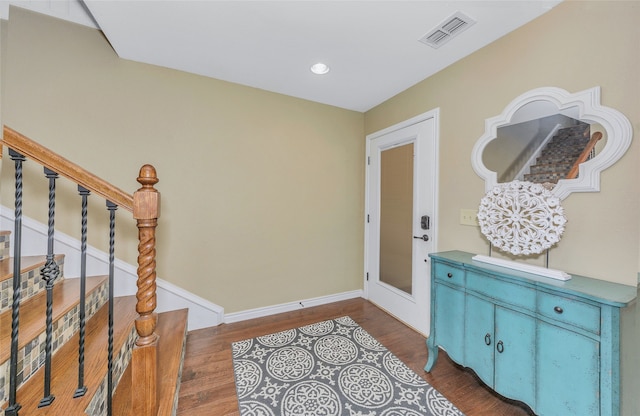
208	387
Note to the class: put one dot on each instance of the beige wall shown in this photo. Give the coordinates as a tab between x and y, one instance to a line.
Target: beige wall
575	46
3	47
262	194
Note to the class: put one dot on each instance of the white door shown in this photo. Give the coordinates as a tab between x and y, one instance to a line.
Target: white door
401	218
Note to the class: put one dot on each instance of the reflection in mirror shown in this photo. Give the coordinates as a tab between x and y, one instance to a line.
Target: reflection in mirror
554	138
541	148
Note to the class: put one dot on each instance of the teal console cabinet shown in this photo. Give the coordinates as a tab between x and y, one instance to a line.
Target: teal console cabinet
554	345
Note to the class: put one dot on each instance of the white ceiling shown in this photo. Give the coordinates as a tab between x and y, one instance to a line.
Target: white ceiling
372	47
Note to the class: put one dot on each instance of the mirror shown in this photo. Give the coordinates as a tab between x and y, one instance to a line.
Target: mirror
578	137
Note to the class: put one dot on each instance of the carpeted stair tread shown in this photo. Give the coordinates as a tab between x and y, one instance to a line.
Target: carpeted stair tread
550	167
32	317
559	155
64	379
172	332
557	158
546	177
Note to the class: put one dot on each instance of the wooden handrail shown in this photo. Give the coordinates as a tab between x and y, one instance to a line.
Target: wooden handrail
144	204
573	173
34	151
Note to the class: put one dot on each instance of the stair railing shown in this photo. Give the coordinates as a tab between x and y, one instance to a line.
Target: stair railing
144	204
584	156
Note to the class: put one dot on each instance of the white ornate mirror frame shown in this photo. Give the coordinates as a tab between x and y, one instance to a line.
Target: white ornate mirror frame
617	126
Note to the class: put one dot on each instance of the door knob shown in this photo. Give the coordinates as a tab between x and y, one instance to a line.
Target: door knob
424	237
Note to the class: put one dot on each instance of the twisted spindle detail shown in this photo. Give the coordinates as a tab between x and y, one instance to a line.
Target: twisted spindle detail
146	294
146	210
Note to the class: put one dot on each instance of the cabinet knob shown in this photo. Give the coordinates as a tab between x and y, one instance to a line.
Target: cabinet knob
500	347
558	310
487	339
449	275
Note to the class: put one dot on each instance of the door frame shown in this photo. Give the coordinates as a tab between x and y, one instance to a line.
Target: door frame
432	114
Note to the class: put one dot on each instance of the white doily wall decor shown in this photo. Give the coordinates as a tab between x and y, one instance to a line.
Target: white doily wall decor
521	218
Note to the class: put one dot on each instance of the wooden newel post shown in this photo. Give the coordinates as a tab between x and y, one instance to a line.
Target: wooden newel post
146	210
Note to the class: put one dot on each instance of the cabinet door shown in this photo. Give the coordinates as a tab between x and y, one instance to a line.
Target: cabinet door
515	355
449	326
479	342
568	381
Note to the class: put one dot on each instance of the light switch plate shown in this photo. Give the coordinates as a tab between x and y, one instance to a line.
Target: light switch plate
469	217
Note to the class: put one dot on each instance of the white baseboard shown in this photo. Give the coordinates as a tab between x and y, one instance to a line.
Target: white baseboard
202	313
290	306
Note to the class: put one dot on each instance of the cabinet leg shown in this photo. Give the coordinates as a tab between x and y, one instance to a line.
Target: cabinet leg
433	355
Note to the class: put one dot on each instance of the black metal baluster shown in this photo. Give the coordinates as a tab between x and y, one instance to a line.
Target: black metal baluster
112	233
82	389
49	273
14	406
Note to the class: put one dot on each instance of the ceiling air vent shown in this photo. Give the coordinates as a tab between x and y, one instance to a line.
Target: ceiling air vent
447	30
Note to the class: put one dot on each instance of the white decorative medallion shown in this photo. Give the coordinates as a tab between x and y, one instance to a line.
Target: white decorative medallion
521	218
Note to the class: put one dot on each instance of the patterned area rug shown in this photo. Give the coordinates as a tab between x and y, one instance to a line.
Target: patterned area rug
330	368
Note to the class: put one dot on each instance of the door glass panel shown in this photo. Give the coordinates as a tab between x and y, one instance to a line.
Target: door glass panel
396	216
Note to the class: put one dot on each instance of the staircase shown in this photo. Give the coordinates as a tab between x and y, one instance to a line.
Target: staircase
67	354
560	155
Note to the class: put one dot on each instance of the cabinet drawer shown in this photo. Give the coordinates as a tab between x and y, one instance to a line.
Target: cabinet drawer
570	311
502	291
450	274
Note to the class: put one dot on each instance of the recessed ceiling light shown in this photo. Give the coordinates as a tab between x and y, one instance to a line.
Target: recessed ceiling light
319	68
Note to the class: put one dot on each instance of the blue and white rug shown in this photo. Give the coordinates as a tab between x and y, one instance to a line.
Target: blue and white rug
330	368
